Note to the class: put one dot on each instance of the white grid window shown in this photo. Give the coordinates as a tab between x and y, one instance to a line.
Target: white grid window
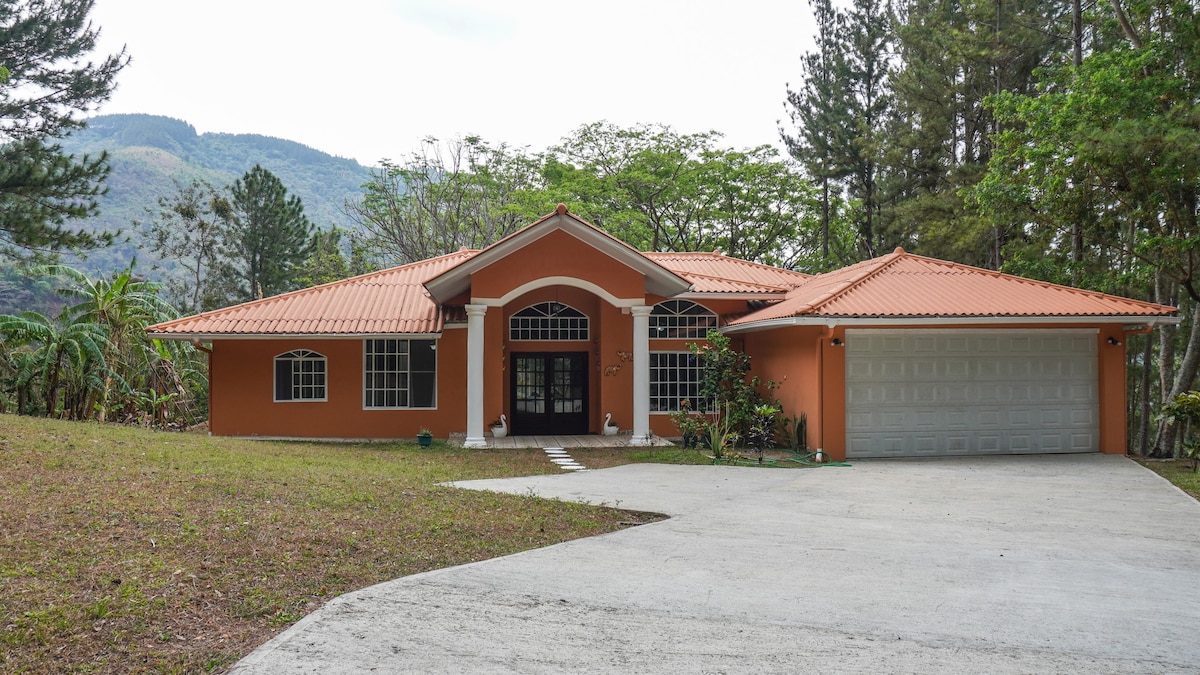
674	376
681	319
399	373
548	321
300	376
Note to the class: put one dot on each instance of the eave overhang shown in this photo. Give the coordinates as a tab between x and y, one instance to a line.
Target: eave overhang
213	337
1131	323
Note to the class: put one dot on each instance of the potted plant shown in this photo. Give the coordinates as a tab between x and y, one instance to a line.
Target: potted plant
500	427
424	438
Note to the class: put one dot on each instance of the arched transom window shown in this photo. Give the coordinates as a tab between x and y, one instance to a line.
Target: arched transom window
300	376
683	319
548	321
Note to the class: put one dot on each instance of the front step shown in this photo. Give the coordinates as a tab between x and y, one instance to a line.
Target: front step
563	460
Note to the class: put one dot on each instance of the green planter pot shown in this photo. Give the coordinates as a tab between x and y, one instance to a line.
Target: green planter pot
424	441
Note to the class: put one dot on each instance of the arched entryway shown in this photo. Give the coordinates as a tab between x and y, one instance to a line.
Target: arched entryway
548	374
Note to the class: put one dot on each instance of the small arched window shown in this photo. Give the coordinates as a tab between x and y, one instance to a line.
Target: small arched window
300	376
681	319
548	321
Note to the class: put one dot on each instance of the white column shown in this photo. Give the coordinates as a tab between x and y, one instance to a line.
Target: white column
475	437
641	376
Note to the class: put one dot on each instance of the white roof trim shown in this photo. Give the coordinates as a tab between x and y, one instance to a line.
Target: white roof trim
918	321
210	337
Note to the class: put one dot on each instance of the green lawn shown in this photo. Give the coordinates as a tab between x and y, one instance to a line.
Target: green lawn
126	550
1178	471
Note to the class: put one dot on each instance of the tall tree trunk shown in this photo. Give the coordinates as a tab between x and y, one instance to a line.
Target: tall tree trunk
1184	379
1144	412
824	223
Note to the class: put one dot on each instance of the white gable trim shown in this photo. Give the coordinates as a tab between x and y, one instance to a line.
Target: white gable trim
558	281
659	280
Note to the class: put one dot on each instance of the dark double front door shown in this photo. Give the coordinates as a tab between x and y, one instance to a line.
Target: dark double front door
549	393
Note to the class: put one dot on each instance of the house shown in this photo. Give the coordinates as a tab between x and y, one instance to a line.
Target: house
560	325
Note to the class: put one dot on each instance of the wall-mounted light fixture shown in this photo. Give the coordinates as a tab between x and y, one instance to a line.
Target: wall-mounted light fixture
836	342
1114	342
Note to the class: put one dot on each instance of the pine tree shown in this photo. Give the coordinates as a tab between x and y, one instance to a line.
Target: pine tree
47	84
271	236
819	110
840	113
953	54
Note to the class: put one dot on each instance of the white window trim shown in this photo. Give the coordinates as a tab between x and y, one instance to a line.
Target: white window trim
654	330
310	355
587	326
653	368
363	373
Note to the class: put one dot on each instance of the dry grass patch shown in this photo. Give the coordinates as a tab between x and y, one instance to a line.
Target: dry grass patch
128	551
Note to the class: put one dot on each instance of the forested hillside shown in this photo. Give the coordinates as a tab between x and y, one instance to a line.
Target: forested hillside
148	153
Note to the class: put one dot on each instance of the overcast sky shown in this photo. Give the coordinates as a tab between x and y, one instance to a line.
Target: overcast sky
369	79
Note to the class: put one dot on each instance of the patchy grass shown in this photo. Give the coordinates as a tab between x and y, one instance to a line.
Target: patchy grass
603	458
1178	471
130	551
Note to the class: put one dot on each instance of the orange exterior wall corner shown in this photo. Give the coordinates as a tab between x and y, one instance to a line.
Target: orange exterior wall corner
810	378
1114	434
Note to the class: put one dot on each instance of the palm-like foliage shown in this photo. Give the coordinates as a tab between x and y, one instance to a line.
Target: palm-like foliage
123	307
52	353
95	359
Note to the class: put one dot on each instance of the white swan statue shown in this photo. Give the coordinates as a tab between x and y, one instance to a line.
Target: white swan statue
609	428
500	430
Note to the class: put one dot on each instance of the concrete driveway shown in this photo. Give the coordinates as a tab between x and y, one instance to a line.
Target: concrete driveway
1080	564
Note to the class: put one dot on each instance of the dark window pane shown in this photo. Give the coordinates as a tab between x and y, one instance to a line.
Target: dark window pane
283	380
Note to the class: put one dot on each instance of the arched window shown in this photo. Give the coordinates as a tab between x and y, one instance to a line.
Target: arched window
548	321
300	376
681	319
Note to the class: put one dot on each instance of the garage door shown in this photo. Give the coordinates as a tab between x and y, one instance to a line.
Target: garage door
912	393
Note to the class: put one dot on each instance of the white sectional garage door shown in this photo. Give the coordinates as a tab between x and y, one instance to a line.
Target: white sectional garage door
912	393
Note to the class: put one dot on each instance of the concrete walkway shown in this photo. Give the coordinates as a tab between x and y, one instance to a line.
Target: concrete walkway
1068	564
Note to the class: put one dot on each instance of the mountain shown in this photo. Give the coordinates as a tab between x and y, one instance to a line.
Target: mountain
148	153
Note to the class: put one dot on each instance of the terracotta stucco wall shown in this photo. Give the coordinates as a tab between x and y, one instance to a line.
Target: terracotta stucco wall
790	357
243	380
556	254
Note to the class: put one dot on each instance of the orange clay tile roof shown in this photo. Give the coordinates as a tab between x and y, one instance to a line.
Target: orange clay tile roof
717	273
902	285
384	302
395	300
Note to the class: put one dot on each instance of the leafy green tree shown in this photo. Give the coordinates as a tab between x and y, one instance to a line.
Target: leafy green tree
327	262
659	190
191	230
467	193
270	238
47	86
1115	137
